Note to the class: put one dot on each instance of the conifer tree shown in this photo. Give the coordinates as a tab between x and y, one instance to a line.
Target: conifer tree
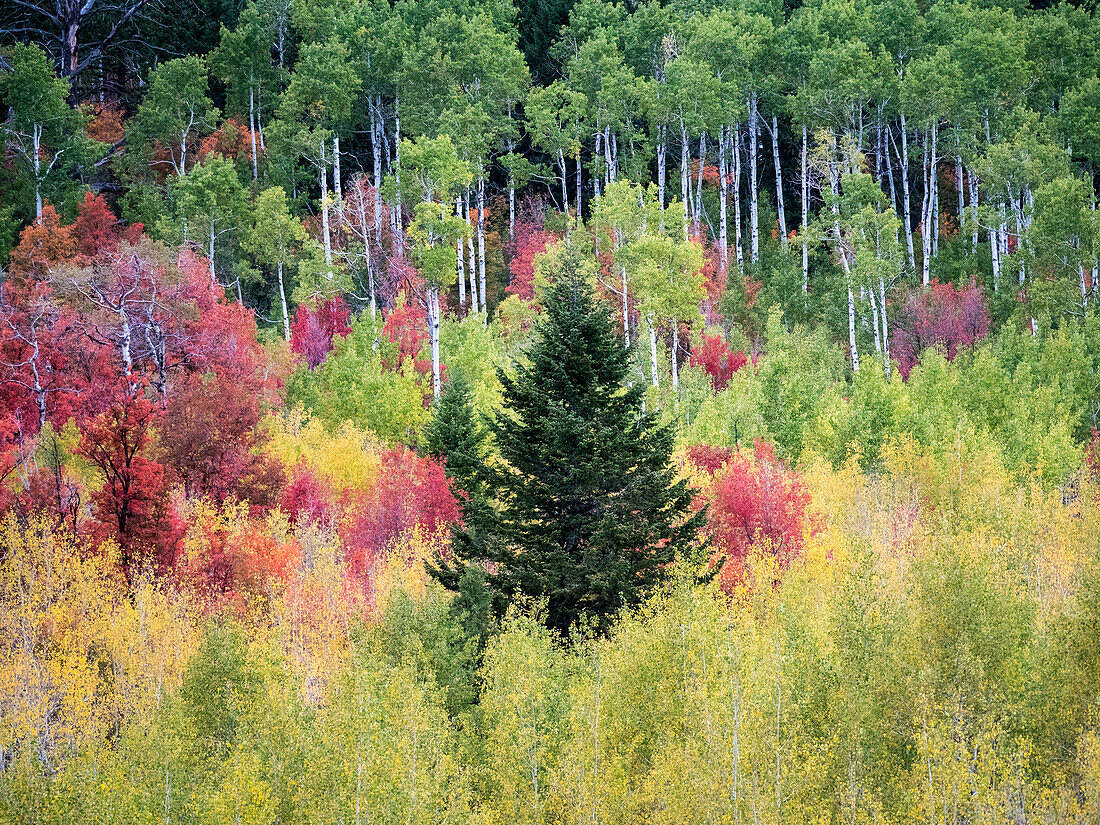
455	435
584	510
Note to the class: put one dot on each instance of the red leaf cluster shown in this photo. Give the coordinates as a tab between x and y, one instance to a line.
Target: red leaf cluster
313	329
714	355
132	506
940	316
755	502
412	493
407	327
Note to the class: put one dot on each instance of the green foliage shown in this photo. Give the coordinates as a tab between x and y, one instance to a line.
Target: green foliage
455	435
41	135
358	383
176	112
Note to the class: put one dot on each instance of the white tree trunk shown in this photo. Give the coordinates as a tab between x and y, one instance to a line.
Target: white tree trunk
433	329
252	130
662	163
885	325
653	348
754	180
337	182
564	185
805	211
578	183
852	323
324	215
461	263
36	144
779	184
675	347
377	136
723	197
698	214
685	172
737	239
905	201
282	299
481	241
470	256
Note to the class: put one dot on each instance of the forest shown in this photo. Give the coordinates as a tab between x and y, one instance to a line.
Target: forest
549	411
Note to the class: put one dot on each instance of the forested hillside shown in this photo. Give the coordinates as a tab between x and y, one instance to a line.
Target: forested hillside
474	411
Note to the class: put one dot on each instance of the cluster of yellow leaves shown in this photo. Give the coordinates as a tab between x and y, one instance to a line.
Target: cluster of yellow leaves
80	652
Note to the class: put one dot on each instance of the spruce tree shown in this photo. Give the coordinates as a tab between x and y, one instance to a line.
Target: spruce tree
455	435
583	509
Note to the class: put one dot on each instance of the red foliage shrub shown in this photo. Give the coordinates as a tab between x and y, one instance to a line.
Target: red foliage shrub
407	327
132	505
312	330
97	230
529	240
940	316
1092	454
231	140
234	563
42	245
713	354
755	502
306	500
213	442
412	493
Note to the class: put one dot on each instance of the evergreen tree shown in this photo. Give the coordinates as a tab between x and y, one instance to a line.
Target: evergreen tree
455	435
584	510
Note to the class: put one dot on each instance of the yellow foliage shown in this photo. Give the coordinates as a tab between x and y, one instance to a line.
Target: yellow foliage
347	459
79	655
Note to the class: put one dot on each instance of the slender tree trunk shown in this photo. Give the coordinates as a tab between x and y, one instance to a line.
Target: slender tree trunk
685	172
995	249
653	347
433	328
675	348
626	301
738	240
481	241
805	211
470	254
842	254
578	183
723	197
377	127
875	320
662	163
699	181
754	178
972	185
398	220
36	143
282	300
511	197
337	182
252	130
960	189
779	184
905	200
324	214
885	325
852	325
461	263
260	116
564	189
